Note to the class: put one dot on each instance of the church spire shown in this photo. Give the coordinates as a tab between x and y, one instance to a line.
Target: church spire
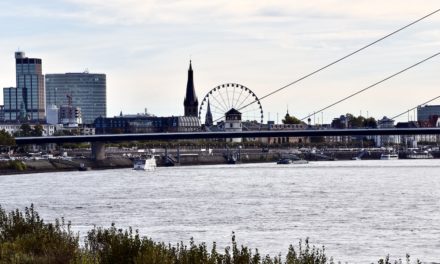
208	118
191	102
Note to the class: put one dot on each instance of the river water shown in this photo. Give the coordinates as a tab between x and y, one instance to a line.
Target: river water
359	210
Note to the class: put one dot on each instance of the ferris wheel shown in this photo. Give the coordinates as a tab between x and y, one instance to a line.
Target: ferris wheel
224	97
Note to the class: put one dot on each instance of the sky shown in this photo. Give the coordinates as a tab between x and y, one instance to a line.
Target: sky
144	47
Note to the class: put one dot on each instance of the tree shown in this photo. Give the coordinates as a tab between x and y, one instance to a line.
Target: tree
37	131
355	121
288	119
25	130
6	139
370	122
360	121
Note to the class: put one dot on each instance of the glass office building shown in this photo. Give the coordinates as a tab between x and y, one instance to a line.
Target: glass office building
87	90
28	98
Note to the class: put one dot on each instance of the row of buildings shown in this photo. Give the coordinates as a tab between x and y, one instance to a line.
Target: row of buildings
77	101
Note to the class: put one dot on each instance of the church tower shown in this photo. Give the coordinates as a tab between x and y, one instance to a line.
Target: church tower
208	117
191	104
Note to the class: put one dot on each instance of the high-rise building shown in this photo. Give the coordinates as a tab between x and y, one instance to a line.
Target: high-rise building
28	96
87	90
191	102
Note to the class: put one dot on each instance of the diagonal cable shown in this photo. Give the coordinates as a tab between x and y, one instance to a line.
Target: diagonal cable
343	58
373	85
427	102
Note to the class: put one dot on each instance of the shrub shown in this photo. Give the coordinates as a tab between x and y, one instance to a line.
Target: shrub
25	238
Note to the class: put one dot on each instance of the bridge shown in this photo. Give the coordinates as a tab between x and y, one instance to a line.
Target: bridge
98	141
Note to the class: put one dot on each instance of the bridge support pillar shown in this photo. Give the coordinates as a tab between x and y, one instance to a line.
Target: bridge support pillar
98	150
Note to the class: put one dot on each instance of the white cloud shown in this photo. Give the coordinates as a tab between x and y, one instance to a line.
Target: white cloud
144	46
145	11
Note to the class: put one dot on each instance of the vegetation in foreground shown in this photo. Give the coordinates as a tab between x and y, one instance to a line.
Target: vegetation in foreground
25	238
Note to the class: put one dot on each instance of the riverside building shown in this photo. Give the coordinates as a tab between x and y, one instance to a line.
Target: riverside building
26	100
87	90
428	115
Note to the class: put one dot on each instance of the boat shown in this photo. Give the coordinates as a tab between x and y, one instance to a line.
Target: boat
361	154
233	158
145	164
284	161
83	167
301	161
292	161
419	155
389	156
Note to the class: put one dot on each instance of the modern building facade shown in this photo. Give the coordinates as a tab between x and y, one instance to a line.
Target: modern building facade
2	113
88	91
191	103
28	97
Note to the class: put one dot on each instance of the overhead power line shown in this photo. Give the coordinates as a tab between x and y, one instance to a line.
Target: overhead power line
427	102
343	58
371	86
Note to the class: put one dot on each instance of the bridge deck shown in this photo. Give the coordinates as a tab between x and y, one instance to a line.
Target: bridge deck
211	135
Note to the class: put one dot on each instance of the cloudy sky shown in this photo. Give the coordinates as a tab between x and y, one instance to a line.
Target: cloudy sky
144	47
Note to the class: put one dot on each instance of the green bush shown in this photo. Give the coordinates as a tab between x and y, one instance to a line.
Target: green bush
25	238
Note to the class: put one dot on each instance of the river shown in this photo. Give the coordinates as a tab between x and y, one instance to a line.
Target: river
359	210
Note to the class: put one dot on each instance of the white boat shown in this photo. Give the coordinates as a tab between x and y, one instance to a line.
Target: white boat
300	161
146	164
389	156
419	155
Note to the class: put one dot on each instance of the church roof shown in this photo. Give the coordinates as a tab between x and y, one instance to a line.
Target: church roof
233	111
190	90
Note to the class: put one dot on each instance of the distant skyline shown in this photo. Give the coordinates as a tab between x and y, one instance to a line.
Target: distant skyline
144	47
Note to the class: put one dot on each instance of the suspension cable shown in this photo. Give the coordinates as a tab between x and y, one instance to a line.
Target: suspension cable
343	58
371	86
427	102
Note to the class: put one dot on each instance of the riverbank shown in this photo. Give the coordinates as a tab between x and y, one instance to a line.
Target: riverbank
183	159
57	165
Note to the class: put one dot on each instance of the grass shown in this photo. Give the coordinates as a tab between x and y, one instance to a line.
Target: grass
26	238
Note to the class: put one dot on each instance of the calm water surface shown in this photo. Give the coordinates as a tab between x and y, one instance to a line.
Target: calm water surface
360	210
